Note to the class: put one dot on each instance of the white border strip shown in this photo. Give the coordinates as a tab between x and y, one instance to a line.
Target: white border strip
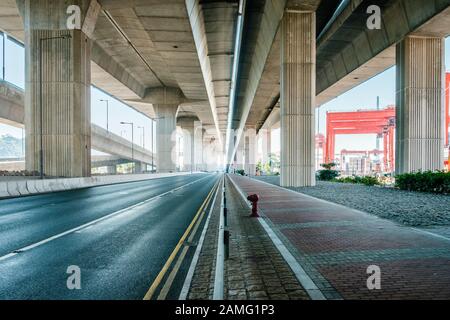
190	274
307	283
220	257
88	224
431	233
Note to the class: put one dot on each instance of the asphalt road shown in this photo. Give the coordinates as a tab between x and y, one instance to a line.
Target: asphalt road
119	256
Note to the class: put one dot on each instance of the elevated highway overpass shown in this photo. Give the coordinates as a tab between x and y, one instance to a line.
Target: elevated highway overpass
12	113
227	65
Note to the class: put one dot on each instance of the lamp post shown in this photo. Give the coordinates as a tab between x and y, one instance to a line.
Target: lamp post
153	152
107	113
143	135
132	141
143	140
41	89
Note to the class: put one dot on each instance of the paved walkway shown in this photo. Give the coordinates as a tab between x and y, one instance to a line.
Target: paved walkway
255	269
335	245
418	209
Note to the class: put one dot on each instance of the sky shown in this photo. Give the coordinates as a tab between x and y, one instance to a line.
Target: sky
120	112
361	97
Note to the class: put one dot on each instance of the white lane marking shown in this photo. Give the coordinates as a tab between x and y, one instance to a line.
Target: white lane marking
88	224
431	233
220	256
190	274
9	255
301	275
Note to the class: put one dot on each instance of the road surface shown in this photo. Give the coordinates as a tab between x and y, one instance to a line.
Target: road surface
119	236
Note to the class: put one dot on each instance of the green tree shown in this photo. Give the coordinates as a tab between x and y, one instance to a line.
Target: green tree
274	162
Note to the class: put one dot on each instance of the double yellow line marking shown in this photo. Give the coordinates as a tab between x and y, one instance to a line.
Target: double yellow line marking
174	253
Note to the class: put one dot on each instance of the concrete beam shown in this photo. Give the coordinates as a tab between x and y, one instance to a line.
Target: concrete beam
349	45
263	20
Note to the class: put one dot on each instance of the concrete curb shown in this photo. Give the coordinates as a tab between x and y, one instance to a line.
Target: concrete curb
11	189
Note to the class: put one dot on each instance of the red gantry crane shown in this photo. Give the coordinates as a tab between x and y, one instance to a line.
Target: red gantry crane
380	122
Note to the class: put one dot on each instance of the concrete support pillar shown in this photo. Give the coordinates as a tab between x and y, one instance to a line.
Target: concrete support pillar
165	103
298	91
188	148
111	169
420	104
250	151
239	156
166	135
266	144
198	146
139	167
188	128
57	89
212	153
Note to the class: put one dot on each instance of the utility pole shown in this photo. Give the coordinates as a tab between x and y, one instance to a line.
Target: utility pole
107	113
143	136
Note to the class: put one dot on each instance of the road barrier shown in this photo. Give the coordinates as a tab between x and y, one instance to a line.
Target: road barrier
17	188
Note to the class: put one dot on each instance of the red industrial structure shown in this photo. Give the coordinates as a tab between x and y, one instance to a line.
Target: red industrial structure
320	145
379	122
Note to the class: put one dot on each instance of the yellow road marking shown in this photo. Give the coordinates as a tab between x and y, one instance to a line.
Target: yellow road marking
165	290
168	284
172	256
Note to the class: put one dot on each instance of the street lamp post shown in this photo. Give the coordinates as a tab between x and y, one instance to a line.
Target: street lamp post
143	135
153	152
132	141
143	140
41	89
107	113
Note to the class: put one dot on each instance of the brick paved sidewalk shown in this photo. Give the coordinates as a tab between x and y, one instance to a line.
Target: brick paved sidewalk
255	269
335	245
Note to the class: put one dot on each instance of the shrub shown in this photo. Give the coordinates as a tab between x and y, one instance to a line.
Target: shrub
370	181
328	173
427	181
366	180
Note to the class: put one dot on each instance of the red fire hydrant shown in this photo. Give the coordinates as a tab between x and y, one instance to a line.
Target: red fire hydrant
253	198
